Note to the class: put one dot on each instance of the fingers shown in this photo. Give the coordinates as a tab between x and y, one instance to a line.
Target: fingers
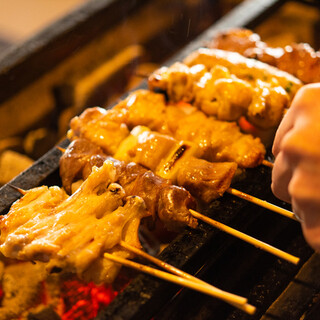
281	176
285	126
306	103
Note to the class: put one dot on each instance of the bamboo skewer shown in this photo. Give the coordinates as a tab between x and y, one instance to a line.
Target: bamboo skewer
160	263
245	307
21	191
237	193
262	203
257	243
267	163
212	291
61	149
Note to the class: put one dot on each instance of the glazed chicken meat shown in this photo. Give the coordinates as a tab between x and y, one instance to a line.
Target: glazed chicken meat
216	141
227	86
166	156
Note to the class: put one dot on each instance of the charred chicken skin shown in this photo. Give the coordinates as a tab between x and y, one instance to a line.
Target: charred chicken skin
71	233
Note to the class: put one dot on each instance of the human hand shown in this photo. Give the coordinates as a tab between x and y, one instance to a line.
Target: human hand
296	172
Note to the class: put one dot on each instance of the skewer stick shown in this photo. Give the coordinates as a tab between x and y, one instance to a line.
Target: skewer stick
245	307
23	192
142	74
61	149
257	243
228	297
267	163
261	203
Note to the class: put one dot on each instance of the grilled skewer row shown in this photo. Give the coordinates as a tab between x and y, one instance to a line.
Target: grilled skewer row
216	141
92	233
169	158
228	86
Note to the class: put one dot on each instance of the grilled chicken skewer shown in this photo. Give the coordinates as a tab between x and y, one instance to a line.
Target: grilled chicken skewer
217	141
227	85
164	201
71	233
78	156
147	148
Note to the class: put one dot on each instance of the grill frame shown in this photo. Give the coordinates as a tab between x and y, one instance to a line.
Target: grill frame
146	297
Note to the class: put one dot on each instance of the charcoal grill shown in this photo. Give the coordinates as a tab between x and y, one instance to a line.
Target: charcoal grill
278	289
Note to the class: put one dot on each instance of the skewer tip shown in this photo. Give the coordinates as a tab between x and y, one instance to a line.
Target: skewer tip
267	163
22	191
61	149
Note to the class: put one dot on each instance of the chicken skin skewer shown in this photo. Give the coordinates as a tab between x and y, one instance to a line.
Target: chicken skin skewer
71	233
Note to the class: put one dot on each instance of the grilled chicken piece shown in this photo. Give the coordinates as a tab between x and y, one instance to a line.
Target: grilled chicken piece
236	39
221	141
72	233
228	98
268	105
229	86
298	59
135	111
81	155
78	160
243	68
216	140
223	95
206	180
177	81
105	128
147	108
